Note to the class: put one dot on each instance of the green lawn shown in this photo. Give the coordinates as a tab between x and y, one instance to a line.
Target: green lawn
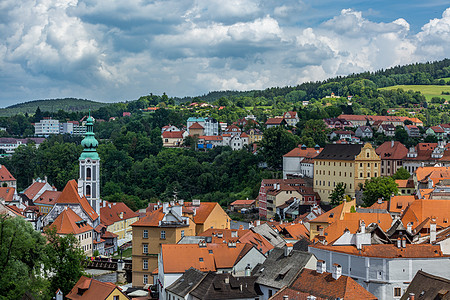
429	91
125	254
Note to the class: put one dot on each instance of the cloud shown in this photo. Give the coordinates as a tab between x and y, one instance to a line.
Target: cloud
121	50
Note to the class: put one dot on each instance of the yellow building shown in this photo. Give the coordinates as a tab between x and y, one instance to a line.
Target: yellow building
88	288
117	217
347	163
167	224
254	135
278	195
46	201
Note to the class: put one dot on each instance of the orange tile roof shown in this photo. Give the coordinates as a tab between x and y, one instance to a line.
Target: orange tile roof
274	121
70	195
209	258
307	153
398	204
388	151
258	241
324	285
388	250
421	209
5	175
15	210
33	189
383	205
109	216
329	216
405	183
7	193
48	197
172	134
196	125
68	222
151	218
351	221
210	137
243	202
293	294
297	230
94	289
203	211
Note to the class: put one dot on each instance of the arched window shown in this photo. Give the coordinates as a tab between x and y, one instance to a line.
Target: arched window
88	173
88	191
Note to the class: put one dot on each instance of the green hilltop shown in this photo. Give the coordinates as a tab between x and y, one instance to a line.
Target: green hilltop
52	105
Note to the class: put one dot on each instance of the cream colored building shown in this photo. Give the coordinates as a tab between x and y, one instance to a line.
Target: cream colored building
278	195
351	164
117	217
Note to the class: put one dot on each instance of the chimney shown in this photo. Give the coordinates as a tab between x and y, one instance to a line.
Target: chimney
380	201
258	222
399	243
392	144
321	266
409	228
285	297
274	186
196	202
278	186
337	271
432	231
227	280
362	227
248	270
172	203
403	242
411	296
181	202
311	297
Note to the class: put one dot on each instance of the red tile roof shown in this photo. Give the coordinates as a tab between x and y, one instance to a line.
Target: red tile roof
70	195
421	209
172	134
33	189
48	197
257	240
437	129
389	150
7	193
196	125
293	294
275	121
307	153
378	118
110	215
94	289
243	202
297	231
388	250
408	183
324	285
5	175
210	137
151	218
68	222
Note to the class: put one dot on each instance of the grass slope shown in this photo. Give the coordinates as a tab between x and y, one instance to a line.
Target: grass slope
51	105
429	91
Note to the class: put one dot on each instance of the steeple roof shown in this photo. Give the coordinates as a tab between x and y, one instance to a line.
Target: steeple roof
89	142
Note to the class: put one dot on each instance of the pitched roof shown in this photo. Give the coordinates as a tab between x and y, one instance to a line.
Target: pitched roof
33	189
275	121
70	195
5	175
221	235
196	125
172	134
303	152
340	151
279	270
388	250
243	202
150	219
225	286
392	150
111	213
331	215
324	285
257	240
211	137
297	230
203	211
408	183
428	286
7	193
293	294
437	129
186	283
93	289
68	222
421	209
273	237
48	197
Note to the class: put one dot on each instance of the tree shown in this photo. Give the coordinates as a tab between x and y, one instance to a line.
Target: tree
315	129
276	142
379	187
63	261
401	174
21	256
337	196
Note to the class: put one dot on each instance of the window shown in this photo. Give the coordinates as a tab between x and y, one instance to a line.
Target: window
397	292
115	297
360	164
145	248
88	191
88	173
368	154
360	175
182	233
270	293
145	234
368	174
376	165
163	234
145	281
200	259
145	264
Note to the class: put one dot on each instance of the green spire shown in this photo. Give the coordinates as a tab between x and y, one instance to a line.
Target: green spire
89	142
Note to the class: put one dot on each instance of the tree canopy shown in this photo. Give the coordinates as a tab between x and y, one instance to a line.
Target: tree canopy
379	187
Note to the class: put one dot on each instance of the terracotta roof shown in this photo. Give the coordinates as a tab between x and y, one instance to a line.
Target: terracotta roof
15	209
48	197
408	183
203	211
93	289
196	125
151	218
68	222
383	205
330	216
307	153
243	202
437	129
211	137
232	128
387	250
70	195
109	234
7	193
244	135
293	294
324	285
297	230
293	114
110	215
172	134
258	241
193	256
33	189
275	121
421	209
5	175
436	173
389	150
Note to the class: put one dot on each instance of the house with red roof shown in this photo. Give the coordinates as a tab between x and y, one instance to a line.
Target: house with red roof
117	218
274	122
392	155
46	201
172	138
92	289
291	118
240	204
300	161
6	179
196	129
37	188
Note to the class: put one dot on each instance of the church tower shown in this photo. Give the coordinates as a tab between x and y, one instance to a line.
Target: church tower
89	181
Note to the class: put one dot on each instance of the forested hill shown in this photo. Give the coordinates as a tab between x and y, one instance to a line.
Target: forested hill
51	105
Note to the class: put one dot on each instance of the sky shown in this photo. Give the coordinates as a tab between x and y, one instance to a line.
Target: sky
120	50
